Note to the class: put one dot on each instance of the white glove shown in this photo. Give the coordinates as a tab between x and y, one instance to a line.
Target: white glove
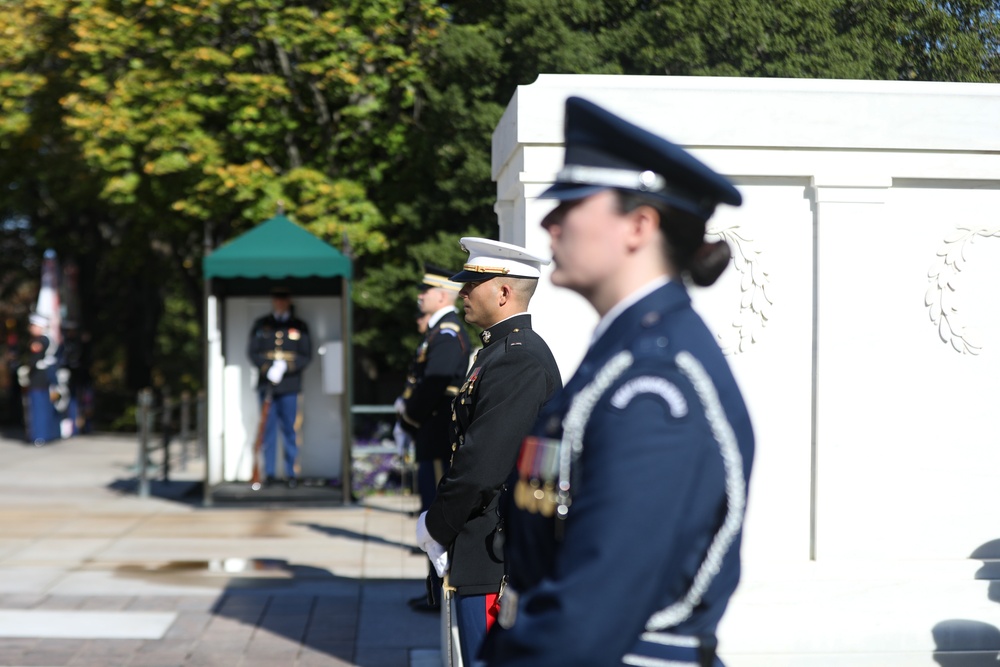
401	437
277	371
437	553
440	562
423	537
399	406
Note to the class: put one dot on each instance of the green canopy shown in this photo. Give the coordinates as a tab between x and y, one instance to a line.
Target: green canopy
276	249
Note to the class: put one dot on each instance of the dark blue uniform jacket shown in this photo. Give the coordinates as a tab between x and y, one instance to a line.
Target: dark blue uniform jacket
288	340
436	373
512	376
649	496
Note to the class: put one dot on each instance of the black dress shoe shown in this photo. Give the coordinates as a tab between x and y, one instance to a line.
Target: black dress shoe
292	483
420	599
269	482
424	607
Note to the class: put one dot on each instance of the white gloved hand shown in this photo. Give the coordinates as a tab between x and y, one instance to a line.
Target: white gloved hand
277	371
399	406
423	537
439	561
435	551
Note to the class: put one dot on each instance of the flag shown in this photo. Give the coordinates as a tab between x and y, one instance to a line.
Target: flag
48	299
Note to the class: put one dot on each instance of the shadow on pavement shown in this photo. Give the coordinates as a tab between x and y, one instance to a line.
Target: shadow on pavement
280	613
963	642
335	531
181	491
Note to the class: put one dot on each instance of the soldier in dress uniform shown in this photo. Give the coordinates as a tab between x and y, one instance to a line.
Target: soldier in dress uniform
281	349
511	378
626	519
436	372
37	375
402	437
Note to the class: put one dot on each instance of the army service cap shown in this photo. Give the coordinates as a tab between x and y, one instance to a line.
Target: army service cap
435	276
604	151
489	259
38	320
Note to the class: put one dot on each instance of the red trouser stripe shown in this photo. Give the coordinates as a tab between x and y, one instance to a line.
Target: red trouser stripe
492	610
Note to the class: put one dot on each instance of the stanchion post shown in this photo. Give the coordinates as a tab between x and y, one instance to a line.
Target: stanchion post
201	445
166	421
144	419
185	426
201	425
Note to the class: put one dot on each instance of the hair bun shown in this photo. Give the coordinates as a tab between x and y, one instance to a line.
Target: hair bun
709	261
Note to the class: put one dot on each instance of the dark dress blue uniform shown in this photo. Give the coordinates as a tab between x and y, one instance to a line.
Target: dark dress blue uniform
625	517
436	373
511	377
43	424
650	494
288	339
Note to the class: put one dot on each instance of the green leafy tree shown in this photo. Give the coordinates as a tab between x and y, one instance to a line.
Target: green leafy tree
137	134
489	47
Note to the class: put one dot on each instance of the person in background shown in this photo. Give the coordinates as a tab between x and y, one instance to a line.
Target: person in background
37	375
403	440
281	349
76	361
626	519
511	378
424	409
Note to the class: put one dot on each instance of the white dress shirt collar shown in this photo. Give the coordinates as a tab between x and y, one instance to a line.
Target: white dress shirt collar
436	317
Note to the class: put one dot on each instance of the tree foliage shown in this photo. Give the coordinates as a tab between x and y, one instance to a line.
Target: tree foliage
136	134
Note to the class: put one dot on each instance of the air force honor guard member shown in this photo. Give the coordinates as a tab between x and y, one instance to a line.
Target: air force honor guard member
511	378
623	542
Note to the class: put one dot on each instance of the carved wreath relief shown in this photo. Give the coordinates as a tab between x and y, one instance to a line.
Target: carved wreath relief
754	303
941	298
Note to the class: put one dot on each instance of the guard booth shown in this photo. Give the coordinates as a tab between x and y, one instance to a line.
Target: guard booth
239	277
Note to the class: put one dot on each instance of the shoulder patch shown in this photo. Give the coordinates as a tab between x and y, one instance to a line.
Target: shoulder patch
449	325
650	384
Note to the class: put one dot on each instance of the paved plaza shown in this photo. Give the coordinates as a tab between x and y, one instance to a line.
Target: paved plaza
91	574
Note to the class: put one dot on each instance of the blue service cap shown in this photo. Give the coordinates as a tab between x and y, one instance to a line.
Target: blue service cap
604	151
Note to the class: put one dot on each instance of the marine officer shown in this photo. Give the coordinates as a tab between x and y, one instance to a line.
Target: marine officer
511	378
281	349
626	518
436	372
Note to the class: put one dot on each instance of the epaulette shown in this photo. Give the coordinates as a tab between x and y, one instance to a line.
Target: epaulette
514	339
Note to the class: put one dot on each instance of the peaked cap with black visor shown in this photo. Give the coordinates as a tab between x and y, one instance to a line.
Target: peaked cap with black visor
604	151
490	259
435	276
